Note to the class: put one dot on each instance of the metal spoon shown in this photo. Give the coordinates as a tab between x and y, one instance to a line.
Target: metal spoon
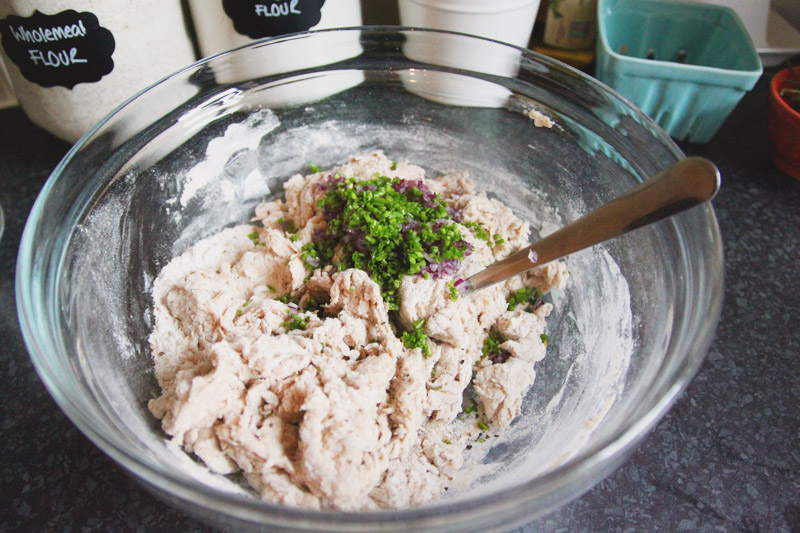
687	183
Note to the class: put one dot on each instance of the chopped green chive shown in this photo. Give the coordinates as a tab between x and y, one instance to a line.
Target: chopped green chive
388	227
491	344
287	225
477	229
417	338
523	296
241	309
287	299
254	237
483	425
295	321
314	168
472	408
543	336
453	290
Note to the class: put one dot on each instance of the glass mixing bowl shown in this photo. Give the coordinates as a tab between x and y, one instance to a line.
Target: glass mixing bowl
197	151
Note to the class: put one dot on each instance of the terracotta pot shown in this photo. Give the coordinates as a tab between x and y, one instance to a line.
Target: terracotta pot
784	127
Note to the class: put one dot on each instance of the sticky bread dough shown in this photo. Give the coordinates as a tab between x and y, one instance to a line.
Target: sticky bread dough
338	414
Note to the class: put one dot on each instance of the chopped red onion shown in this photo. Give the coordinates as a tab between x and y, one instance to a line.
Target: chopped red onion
445	268
500	356
462	286
324	185
330	214
427	196
357	238
410	225
455	214
533	257
319	235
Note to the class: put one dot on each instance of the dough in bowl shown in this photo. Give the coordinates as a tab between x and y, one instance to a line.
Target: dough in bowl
325	350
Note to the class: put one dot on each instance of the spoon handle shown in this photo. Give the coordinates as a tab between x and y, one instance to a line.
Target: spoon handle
687	183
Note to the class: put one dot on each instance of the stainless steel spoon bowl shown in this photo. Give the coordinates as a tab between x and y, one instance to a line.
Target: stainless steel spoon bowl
686	184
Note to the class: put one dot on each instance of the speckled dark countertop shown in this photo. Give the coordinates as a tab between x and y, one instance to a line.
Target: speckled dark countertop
725	458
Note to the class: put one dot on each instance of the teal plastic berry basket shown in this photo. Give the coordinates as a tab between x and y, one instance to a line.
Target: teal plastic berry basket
686	65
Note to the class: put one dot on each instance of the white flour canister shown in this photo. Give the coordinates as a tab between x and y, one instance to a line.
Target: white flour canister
508	21
73	61
225	24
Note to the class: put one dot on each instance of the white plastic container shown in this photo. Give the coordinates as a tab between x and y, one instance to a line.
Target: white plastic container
508	21
71	62
225	24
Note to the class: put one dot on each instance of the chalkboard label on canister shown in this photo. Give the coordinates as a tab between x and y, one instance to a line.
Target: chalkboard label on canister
64	49
270	18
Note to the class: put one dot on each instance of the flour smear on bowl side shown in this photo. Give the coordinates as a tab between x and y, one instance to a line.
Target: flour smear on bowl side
324	350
